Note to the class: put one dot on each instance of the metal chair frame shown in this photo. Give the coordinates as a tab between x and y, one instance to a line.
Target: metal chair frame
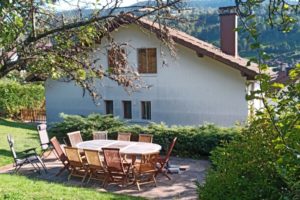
28	156
44	141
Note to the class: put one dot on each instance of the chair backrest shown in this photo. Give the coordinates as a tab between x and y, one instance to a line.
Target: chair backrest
145	138
93	159
44	139
113	160
74	157
11	144
124	136
100	135
167	158
59	151
74	138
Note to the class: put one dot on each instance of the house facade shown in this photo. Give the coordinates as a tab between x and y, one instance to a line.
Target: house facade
200	84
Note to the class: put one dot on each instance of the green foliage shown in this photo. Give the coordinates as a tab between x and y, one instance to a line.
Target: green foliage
86	125
15	97
264	163
283	47
192	141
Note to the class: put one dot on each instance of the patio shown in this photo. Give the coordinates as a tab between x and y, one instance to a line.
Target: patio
182	186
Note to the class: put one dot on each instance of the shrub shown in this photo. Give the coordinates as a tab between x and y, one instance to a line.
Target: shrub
193	141
86	125
244	169
15	97
264	163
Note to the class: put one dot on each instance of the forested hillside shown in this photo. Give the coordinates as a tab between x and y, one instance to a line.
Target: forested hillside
284	48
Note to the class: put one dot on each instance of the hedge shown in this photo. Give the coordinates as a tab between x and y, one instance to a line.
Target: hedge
193	141
15	97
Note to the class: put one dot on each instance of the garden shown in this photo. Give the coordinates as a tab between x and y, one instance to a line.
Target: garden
258	160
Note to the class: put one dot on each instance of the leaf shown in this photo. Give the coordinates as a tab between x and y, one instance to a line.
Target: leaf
278	85
255	45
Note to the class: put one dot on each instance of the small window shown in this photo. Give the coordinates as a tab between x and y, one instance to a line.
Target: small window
147	61
146	110
109	107
127	109
114	57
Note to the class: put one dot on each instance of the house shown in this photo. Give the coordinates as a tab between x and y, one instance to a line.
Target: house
201	84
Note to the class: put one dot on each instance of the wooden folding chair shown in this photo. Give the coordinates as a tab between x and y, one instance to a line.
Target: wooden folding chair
100	135
163	161
74	138
95	165
78	168
144	173
61	155
118	171
124	136
145	138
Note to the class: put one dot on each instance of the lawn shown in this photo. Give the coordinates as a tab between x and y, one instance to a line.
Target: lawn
20	187
25	136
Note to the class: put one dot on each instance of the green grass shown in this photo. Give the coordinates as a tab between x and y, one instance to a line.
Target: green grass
20	187
25	136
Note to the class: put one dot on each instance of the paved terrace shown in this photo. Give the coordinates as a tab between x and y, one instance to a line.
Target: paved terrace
182	186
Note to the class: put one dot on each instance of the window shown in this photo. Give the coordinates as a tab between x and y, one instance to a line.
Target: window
109	107
147	62
127	109
146	110
114	57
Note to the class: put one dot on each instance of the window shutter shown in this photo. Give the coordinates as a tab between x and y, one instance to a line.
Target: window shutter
152	61
142	61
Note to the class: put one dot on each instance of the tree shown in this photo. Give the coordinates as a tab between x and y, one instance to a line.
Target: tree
264	163
39	40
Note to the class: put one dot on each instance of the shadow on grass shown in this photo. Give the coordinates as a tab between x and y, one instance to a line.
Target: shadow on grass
14	124
78	186
5	152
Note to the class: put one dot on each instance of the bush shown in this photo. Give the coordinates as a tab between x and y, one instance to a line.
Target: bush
264	163
192	141
15	97
86	125
253	167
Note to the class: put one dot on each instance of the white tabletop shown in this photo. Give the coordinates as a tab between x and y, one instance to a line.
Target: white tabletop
126	147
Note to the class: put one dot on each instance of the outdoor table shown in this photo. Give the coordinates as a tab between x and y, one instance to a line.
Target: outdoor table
126	147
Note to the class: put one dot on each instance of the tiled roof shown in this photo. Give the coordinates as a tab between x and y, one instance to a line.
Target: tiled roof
199	46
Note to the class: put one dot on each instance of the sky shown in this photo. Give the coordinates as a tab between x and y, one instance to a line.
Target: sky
72	4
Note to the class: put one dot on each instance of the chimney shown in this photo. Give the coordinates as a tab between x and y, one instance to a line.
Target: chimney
228	35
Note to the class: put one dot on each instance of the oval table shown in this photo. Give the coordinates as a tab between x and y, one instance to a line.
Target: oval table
126	147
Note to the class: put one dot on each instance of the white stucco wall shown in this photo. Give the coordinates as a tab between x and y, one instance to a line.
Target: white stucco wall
191	90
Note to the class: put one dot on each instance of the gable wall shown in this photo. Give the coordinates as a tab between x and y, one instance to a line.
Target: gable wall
190	90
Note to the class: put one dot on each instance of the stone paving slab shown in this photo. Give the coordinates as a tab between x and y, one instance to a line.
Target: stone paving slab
182	186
